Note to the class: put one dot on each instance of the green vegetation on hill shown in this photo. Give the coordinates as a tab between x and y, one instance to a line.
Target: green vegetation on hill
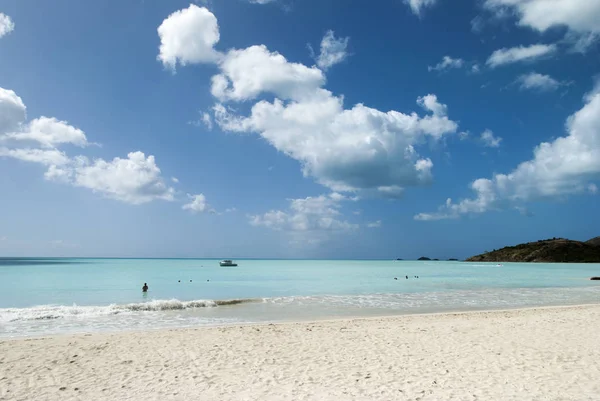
558	250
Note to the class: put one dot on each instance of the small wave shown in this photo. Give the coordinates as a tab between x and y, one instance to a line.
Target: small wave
52	312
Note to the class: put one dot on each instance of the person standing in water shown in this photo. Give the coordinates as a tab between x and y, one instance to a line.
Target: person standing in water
145	287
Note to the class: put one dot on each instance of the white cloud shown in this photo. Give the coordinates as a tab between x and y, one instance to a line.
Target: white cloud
447	63
49	133
347	149
559	168
489	140
374	224
48	157
475	69
308	219
175	180
197	204
593	188
207	120
262	1
520	54
249	72
6	25
188	36
535	81
12	111
333	50
463	135
577	15
344	149
136	179
417	6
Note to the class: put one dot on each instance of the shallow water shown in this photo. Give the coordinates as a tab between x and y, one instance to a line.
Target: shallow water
48	296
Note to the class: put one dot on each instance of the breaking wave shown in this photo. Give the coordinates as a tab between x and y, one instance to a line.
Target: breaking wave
51	312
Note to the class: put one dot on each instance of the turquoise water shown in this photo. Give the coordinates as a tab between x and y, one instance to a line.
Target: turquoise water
48	296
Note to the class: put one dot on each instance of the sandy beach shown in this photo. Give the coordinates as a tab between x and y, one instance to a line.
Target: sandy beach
530	354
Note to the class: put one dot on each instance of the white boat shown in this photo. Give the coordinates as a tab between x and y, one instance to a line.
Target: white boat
227	263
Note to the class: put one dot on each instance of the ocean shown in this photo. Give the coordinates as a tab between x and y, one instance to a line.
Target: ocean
42	296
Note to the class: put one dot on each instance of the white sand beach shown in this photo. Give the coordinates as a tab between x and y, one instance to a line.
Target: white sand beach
531	354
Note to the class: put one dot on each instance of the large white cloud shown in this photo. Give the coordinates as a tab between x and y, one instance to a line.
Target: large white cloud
249	72
333	50
188	36
519	54
562	167
347	149
356	149
6	25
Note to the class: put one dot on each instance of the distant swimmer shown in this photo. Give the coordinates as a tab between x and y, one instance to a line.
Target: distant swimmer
145	287
395	278
407	277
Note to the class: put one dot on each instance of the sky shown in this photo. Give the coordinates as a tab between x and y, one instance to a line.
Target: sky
297	128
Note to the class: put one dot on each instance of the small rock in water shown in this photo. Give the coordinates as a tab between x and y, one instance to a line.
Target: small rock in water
62	388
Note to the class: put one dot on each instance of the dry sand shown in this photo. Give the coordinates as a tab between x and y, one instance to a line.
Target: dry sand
534	354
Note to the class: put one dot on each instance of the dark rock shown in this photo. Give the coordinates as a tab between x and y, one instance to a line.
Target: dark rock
453	260
423	258
594	278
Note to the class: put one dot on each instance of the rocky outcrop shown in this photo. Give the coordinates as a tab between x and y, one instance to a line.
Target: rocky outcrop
555	250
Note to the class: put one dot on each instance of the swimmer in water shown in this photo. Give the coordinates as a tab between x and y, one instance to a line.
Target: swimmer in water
145	287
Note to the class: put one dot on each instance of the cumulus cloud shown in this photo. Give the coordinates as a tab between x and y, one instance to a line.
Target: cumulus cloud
374	224
6	25
136	179
417	6
593	188
559	168
312	218
12	111
520	54
49	132
447	63
538	82
333	50
188	36
350	150
541	15
47	157
197	204
249	72
489	140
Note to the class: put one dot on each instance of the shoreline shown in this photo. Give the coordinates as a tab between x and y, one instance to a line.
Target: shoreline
331	319
520	354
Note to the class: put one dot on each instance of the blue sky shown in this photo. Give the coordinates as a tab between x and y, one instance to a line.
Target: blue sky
297	128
